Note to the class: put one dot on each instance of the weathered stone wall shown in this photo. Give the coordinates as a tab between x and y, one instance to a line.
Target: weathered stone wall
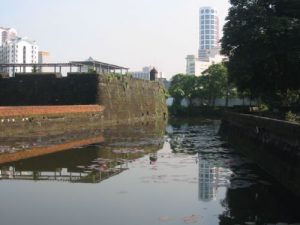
122	99
273	144
127	99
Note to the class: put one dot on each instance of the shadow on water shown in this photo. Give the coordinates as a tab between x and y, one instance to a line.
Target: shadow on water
252	196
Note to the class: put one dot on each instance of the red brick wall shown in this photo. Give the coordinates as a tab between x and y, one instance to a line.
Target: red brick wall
9	111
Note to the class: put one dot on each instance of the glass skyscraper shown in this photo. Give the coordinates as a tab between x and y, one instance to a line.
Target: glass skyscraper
208	32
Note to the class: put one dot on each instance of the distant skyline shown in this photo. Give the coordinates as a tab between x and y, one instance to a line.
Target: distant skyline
130	33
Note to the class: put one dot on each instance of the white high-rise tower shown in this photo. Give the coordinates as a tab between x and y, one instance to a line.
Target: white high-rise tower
209	46
208	32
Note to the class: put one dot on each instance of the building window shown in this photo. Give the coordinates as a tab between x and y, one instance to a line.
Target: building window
24	54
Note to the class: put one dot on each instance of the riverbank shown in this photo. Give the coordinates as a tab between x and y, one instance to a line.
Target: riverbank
273	144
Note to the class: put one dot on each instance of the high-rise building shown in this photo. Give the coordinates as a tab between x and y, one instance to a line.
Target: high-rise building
208	32
7	34
209	46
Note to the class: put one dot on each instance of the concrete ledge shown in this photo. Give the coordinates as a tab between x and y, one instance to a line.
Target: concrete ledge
273	144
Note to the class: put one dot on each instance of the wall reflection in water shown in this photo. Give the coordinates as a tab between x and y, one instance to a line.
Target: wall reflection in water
104	154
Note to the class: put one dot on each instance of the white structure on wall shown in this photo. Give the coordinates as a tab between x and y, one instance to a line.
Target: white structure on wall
18	50
144	74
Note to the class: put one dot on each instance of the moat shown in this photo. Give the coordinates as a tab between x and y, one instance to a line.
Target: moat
178	173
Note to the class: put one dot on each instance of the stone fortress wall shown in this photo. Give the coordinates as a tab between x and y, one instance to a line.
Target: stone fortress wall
38	102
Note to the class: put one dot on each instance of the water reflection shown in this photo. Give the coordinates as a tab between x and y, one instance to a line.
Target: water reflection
208	180
251	196
65	159
138	175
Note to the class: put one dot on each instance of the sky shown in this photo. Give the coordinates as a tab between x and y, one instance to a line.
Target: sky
129	33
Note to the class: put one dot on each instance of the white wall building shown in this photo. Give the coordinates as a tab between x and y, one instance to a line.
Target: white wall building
194	66
19	50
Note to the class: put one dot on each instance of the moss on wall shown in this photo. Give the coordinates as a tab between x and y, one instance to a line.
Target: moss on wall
124	99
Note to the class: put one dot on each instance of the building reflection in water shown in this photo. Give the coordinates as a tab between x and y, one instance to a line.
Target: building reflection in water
208	180
60	174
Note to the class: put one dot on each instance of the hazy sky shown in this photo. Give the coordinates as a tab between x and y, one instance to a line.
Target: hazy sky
130	33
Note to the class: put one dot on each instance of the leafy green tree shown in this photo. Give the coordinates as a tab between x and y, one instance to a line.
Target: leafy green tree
211	85
214	82
182	86
261	40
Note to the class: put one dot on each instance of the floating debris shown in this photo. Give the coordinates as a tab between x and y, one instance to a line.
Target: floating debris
128	151
191	219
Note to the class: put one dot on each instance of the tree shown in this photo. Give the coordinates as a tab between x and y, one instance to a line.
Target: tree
211	85
261	40
214	82
182	86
